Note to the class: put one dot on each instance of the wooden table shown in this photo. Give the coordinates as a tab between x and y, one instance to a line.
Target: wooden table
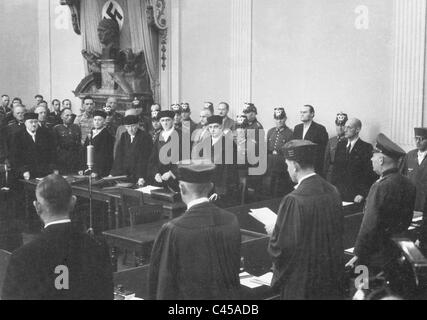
112	199
138	240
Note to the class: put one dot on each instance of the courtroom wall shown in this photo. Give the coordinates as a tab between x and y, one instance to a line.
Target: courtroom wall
19	49
333	54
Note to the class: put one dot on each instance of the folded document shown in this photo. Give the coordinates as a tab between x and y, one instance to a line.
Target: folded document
264	215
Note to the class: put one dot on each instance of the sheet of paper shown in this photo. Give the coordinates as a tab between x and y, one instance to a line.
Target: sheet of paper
350	250
264	215
346	204
247	282
265	279
148	189
114	178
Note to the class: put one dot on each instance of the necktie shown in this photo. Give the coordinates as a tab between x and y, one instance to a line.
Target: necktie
348	149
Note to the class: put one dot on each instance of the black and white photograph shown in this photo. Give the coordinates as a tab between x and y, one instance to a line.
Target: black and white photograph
225	153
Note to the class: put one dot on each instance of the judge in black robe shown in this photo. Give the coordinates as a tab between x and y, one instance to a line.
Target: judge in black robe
221	150
196	256
35	156
166	152
103	143
133	152
307	241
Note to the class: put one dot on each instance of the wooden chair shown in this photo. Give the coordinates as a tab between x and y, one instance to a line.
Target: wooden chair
136	211
4	262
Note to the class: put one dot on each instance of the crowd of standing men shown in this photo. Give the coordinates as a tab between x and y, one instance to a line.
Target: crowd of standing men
313	173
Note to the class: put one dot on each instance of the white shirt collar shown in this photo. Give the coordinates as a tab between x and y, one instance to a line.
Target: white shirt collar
196	202
352	143
96	132
305	129
167	134
32	134
215	140
421	156
304	178
57	222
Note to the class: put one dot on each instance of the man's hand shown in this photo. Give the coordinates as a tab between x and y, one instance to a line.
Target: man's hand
141	182
352	262
56	172
158	178
94	175
358	199
168	175
80	172
26	175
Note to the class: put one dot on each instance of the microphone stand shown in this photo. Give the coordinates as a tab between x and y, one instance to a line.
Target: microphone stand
89	171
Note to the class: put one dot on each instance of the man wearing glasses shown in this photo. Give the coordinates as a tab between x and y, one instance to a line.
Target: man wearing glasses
414	166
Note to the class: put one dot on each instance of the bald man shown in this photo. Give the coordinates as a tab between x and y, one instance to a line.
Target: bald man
352	173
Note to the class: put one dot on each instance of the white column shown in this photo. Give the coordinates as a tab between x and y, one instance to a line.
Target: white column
170	77
408	70
45	69
241	54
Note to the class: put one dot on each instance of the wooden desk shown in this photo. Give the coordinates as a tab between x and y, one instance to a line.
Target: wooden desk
112	199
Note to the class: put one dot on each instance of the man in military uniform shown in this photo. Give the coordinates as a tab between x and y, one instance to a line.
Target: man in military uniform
177	120
43	112
414	166
67	138
155	109
16	124
5	111
307	240
196	256
279	180
388	211
85	120
187	122
331	147
156	128
114	118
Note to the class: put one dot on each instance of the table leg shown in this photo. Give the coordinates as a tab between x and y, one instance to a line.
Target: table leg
117	213
114	258
109	213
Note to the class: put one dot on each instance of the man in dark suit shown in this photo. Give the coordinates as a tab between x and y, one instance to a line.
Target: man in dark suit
352	173
314	132
388	211
103	143
166	152
63	263
33	150
220	149
196	256
414	166
133	152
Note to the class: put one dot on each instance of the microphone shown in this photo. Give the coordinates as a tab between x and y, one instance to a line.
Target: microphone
90	156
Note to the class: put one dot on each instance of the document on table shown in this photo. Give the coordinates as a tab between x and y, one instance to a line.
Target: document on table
264	215
265	279
346	204
350	250
148	189
247	280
